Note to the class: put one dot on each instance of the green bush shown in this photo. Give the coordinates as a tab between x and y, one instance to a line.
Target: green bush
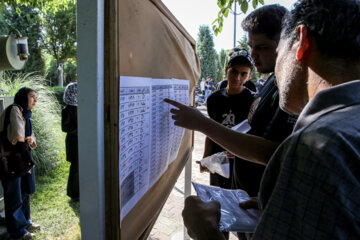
52	71
59	93
45	119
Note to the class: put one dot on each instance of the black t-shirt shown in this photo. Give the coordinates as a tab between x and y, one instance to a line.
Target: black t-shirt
266	120
228	110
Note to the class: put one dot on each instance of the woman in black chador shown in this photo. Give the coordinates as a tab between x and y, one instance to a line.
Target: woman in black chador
69	125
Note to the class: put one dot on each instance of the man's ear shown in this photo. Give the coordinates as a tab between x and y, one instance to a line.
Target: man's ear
226	69
303	49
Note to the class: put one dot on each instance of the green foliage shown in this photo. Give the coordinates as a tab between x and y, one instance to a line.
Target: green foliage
226	6
60	28
29	25
59	93
206	52
69	72
243	43
255	3
35	64
3	26
52	29
245	6
44	5
223	58
220	73
45	119
51	72
60	40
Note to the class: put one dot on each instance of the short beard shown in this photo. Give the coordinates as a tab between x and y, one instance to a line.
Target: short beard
290	101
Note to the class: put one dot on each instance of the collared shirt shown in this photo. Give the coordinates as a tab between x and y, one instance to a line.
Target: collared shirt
311	186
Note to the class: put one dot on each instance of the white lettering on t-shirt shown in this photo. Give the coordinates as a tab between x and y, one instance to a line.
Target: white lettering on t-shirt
229	119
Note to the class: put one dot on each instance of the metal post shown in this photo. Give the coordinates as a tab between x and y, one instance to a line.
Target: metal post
90	70
235	23
187	187
188	177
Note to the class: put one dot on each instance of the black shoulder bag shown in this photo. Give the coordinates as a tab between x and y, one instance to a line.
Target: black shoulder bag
15	160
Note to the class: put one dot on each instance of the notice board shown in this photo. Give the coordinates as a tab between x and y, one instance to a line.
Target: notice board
151	44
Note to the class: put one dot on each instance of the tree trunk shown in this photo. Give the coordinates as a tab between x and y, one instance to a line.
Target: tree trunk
60	75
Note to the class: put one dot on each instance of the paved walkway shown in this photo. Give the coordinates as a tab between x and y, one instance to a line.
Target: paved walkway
169	225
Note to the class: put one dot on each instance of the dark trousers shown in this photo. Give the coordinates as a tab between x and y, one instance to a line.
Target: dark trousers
73	181
17	207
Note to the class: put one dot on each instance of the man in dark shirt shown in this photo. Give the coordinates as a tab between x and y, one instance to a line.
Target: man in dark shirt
266	119
310	189
248	84
230	106
269	124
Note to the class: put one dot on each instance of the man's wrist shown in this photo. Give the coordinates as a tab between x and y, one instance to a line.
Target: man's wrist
204	124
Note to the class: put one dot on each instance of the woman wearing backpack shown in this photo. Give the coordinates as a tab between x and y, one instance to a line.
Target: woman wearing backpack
17	190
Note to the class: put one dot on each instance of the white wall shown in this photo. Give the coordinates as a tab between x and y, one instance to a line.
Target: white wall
90	35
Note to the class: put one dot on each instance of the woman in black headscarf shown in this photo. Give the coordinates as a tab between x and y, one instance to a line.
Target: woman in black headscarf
69	125
17	190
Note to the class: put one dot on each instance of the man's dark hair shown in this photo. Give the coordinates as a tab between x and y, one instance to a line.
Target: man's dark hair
334	24
266	20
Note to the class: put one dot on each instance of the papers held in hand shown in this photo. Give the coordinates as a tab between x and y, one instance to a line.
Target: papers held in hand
242	127
233	218
218	162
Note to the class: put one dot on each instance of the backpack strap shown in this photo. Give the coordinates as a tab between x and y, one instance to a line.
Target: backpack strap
7	120
4	140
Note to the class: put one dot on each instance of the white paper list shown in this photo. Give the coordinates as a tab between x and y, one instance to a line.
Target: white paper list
134	141
160	128
181	94
148	139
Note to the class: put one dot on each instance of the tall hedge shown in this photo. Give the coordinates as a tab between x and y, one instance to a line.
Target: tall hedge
206	52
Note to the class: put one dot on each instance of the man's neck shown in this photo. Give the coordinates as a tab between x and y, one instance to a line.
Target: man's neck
323	78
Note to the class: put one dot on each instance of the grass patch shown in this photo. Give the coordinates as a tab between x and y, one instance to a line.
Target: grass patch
52	208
